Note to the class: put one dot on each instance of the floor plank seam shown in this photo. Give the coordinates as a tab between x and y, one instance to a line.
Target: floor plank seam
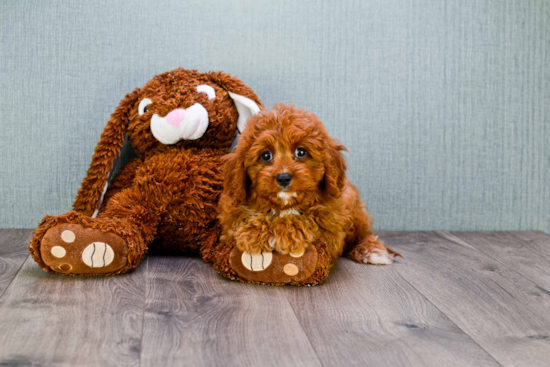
14	276
522	240
144	306
448	318
536	231
504	264
305	332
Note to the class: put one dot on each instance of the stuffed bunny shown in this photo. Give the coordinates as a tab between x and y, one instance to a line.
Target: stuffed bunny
180	125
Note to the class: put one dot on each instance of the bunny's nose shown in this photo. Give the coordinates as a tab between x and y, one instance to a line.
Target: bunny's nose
175	117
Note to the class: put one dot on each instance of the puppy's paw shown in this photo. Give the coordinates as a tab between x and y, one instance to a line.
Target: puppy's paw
254	237
292	234
378	257
288	244
373	251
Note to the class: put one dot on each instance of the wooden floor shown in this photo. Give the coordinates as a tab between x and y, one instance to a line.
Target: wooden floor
457	299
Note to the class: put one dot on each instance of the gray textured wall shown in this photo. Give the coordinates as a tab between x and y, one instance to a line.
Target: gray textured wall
444	105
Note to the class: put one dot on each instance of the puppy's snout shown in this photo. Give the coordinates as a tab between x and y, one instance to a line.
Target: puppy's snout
283	179
175	117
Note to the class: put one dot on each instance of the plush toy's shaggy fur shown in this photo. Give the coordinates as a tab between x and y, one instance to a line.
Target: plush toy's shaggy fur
165	198
285	191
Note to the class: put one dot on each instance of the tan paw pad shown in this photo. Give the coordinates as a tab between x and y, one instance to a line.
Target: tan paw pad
290	270
297	254
256	262
98	255
58	251
65	267
68	236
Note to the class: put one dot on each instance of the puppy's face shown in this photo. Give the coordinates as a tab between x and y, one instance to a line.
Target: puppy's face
285	166
288	159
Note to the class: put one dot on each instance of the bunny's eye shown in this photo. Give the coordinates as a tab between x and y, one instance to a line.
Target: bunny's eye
142	108
208	90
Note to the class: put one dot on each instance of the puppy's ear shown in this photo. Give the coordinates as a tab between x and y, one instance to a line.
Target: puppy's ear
234	183
93	188
247	102
335	169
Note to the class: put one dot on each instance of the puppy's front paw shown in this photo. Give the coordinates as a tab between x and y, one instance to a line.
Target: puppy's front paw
291	235
253	237
373	251
286	243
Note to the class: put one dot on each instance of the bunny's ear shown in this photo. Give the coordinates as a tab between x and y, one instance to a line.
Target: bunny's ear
90	195
246	101
246	108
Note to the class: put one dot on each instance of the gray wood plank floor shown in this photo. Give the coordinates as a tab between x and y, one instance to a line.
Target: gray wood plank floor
12	254
457	299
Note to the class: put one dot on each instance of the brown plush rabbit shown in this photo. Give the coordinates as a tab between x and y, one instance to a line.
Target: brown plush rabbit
180	124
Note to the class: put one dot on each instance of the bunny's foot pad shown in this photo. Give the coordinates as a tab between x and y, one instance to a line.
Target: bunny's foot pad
73	249
274	267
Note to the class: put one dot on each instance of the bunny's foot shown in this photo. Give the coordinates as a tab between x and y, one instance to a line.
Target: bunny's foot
72	244
308	267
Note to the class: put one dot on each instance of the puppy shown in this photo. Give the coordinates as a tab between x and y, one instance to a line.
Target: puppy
285	187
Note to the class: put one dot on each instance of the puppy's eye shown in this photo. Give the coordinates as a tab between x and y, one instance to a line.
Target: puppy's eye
267	156
300	153
142	108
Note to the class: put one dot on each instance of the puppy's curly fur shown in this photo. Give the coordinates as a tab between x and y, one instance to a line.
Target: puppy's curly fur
261	213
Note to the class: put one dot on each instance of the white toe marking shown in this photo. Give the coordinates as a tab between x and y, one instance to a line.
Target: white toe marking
298	253
58	251
291	269
68	236
256	262
98	255
379	257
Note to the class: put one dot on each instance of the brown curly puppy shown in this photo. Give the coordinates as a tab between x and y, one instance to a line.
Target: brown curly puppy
287	203
180	124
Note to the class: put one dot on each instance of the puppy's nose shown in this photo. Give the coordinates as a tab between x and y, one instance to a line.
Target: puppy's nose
175	117
283	179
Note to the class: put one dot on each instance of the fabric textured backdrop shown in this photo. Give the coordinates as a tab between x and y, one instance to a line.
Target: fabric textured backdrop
444	105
